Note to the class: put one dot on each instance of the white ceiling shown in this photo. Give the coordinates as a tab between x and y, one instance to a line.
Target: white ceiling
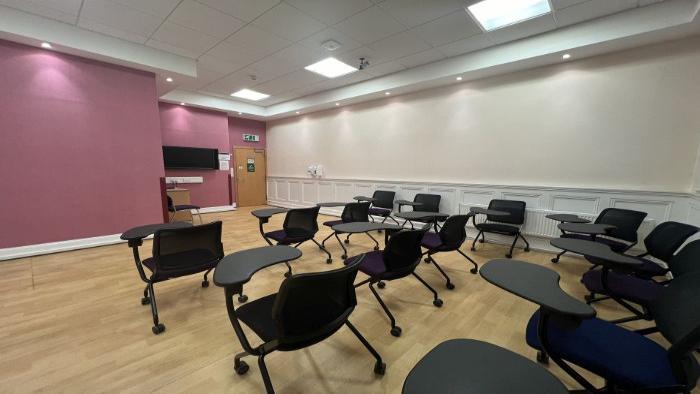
233	40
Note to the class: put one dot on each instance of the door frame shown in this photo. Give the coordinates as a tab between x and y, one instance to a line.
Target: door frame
235	169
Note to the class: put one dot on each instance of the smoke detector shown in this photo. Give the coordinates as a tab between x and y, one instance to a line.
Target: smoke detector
330	45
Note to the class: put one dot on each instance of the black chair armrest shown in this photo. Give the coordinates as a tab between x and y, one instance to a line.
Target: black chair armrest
536	284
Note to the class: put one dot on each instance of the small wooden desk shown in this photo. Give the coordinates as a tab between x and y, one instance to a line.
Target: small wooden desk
180	197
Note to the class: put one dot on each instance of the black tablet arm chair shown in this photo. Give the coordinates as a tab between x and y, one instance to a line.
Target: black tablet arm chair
450	238
399	259
621	238
620	284
352	212
567	331
424	202
504	225
179	252
382	205
307	309
300	225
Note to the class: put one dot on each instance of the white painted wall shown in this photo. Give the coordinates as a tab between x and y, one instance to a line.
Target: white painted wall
623	121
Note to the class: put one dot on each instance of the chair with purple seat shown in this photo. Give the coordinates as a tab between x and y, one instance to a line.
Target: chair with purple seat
450	238
382	205
180	252
621	238
300	225
399	259
624	287
174	209
352	212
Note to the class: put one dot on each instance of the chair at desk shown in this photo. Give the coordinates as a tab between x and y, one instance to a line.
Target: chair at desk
180	252
352	212
450	238
504	225
620	238
300	225
174	209
399	259
426	202
382	205
307	309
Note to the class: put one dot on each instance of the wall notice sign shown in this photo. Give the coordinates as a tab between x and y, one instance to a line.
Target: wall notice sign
251	165
251	137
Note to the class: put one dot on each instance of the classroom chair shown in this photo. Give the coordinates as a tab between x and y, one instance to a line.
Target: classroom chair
300	225
505	225
450	238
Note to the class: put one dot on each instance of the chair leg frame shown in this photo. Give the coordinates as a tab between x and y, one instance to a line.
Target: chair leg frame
476	266
448	282
330	258
379	365
436	298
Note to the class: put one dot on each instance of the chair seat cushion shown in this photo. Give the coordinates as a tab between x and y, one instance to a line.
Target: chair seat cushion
257	315
180	264
431	240
498	228
281	237
621	356
372	264
184	207
627	287
379	211
332	223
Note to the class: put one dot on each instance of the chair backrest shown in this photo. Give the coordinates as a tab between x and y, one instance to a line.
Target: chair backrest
301	222
626	222
311	307
515	208
429	202
453	232
686	261
677	316
402	252
355	212
384	199
663	241
181	250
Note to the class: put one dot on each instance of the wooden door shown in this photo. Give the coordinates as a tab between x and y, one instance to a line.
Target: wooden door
251	175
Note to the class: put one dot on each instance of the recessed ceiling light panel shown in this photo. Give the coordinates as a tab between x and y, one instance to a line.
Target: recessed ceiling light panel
331	68
46	45
250	95
494	14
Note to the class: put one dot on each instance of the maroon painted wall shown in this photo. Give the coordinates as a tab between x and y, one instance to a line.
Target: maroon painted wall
80	147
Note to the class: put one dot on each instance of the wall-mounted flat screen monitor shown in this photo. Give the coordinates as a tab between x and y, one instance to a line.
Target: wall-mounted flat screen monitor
180	157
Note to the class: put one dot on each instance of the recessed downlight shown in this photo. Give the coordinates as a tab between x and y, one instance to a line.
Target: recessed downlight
459	78
249	94
168	79
566	56
387	93
240	113
337	104
297	112
182	103
46	45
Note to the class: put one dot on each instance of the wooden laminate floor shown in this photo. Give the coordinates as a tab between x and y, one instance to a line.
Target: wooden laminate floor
73	322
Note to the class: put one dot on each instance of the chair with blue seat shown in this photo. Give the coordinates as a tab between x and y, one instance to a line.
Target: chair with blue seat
174	209
620	238
399	259
504	224
352	212
625	287
450	238
567	331
382	205
300	225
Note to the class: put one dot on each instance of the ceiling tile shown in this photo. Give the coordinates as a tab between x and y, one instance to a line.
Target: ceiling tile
164	46
644	3
528	28
231	83
346	43
560	4
353	57
449	28
120	17
592	9
159	8
287	60
400	45
421	58
177	36
61	10
416	12
234	56
246	10
205	19
204	77
330	11
288	22
95	26
370	25
257	40
385	68
293	80
466	45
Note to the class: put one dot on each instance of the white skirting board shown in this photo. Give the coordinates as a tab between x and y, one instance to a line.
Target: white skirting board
82	243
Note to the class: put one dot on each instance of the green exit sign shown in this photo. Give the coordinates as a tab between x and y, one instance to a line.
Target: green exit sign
251	137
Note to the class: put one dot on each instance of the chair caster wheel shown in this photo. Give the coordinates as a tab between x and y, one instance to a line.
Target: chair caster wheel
381	285
508	256
347	241
437	303
287	274
205	283
330	260
589	298
555	260
427	260
396	331
158	328
542	358
450	286
473	249
379	231
376	248
527	249
145	301
241	368
380	368
242	298
481	241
